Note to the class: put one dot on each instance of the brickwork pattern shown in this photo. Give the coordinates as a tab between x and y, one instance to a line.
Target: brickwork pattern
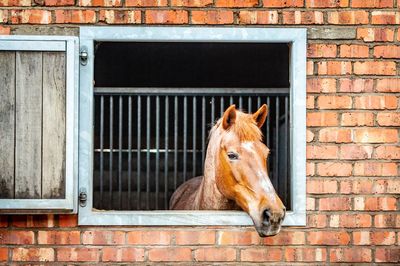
353	150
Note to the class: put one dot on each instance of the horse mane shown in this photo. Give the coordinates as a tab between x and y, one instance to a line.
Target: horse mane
245	127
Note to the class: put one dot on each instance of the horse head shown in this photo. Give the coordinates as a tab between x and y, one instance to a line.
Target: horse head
241	169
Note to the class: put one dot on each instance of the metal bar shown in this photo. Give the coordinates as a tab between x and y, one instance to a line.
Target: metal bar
276	169
158	149
148	153
184	138
267	133
111	149
240	102
212	110
258	101
194	121
286	146
129	151
138	165
230	100
222	105
101	151
203	130
166	154
120	152
189	91
175	141
249	102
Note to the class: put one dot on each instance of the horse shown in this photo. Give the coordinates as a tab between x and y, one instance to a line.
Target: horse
235	173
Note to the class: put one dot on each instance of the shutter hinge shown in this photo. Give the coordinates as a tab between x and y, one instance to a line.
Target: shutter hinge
83	55
82	197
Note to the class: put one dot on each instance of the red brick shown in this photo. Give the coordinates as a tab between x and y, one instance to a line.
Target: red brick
387	186
310	67
170	254
321	186
238	238
299	17
236	3
75	16
258	17
23	221
334	68
338	135
195	237
375	68
363	186
387	152
321	50
59	237
15	3
215	254
122	254
375	34
305	254
16	237
166	16
322	152
149	237
387	254
356	85
280	3
355	152
387	51
327	3
33	254
286	238
261	254
328	238
354	51
375	238
353	254
212	17
375	135
319	119
372	3
375	204
334	204
59	2
309	136
3	254
310	204
358	220
140	3
387	220
385	17
310	169
316	220
78	254
103	237
334	102
388	85
4	30
27	16
310	102
120	17
357	119
325	85
191	3
375	169
348	17
375	102
388	119
68	220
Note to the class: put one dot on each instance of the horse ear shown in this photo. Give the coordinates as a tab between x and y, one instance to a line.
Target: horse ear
229	117
261	115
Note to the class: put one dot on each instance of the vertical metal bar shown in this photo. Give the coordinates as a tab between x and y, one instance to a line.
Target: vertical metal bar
230	100
120	153
212	110
240	102
184	138
157	149
175	141
138	152
258	101
203	130
287	155
101	150
166	154
129	151
249	102
267	133
222	105
111	151
276	170
194	136
148	153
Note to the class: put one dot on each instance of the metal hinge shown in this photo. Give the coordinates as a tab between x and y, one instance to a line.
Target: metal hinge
82	197
83	55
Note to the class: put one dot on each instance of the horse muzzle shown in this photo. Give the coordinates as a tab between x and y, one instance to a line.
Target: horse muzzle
271	222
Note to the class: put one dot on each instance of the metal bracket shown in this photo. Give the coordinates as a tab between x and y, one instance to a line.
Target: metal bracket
83	55
82	197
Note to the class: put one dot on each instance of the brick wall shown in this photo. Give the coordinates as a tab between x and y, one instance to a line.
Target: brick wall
353	137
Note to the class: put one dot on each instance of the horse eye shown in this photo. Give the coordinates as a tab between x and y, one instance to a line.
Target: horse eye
233	156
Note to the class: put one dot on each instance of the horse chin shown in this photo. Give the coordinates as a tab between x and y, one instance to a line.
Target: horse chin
265	231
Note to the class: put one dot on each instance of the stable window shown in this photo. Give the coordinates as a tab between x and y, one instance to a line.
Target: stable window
148	99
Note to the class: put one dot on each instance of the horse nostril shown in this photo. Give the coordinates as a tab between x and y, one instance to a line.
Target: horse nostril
267	216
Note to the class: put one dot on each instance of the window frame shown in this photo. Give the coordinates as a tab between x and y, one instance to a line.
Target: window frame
69	45
297	39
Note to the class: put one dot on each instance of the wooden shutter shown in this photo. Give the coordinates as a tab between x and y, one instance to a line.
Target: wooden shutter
38	124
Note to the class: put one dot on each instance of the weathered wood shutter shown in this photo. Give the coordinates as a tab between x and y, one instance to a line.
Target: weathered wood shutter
37	123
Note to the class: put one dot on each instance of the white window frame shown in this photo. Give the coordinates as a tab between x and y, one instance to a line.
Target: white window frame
69	45
294	36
